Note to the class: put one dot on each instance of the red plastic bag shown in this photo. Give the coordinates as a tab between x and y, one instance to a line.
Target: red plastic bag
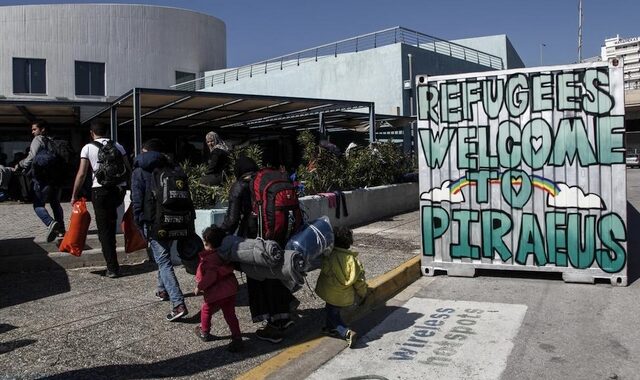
133	238
76	235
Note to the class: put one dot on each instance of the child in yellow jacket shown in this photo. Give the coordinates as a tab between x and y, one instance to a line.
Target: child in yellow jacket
341	279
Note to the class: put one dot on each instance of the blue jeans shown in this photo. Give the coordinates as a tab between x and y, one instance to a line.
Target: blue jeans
167	280
334	320
51	194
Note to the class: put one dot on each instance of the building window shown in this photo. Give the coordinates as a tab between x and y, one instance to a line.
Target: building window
29	76
182	77
89	78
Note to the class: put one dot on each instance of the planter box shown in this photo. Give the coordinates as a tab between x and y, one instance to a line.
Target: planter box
365	205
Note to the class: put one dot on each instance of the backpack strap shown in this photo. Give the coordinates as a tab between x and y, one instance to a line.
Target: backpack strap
97	144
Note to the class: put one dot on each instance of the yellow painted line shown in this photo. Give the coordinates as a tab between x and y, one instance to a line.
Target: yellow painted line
279	361
382	288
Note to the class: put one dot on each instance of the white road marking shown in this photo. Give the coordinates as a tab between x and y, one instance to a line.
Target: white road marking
438	339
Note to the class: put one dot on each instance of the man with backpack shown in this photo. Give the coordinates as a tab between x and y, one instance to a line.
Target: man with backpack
163	209
108	162
264	203
42	165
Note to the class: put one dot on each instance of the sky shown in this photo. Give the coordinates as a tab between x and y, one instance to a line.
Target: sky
259	30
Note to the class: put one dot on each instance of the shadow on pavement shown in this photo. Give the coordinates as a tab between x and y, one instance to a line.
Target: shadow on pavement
25	255
195	363
5	327
633	244
402	320
13	345
127	270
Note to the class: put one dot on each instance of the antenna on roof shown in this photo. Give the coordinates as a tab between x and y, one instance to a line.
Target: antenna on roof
579	31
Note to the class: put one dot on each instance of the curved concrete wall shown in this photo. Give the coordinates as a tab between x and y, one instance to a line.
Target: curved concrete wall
141	46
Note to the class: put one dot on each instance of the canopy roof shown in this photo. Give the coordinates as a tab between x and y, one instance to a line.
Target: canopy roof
173	109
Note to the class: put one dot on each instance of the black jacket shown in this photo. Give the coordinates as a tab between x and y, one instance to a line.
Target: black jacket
142	183
240	212
217	161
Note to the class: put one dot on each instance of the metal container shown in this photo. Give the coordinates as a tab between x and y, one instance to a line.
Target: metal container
524	170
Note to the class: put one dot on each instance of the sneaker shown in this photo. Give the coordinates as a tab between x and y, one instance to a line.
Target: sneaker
61	234
52	231
205	337
330	332
177	313
162	295
112	274
269	333
282	324
351	337
236	345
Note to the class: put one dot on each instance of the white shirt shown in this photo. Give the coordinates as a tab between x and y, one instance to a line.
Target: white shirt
90	152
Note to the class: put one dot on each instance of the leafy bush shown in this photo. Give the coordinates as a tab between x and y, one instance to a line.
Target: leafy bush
377	164
207	197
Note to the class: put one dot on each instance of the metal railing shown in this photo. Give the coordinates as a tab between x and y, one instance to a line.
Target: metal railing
352	45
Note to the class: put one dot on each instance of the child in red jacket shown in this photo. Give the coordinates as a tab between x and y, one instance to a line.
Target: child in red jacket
217	281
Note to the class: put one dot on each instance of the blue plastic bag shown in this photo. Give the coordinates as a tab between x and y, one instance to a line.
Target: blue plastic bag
314	241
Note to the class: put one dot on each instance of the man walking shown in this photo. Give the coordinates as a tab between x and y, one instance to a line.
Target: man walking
111	169
145	211
43	189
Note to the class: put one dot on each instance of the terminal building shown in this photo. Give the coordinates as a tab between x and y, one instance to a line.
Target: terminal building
64	62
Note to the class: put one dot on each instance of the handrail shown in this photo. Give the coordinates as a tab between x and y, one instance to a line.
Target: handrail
350	45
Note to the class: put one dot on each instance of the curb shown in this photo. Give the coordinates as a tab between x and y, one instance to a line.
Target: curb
383	288
29	255
63	261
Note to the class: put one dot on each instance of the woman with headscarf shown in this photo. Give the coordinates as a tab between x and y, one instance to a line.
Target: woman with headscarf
217	159
269	299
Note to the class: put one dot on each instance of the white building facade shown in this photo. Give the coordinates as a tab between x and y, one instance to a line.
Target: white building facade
628	49
99	51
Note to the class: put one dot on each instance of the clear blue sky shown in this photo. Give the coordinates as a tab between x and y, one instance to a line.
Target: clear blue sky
263	29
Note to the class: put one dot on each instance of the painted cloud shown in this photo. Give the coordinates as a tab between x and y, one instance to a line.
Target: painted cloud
442	194
574	197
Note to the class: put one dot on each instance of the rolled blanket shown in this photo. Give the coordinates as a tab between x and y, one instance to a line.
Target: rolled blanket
290	271
266	253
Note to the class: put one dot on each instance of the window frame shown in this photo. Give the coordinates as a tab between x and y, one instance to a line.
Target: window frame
104	78
29	77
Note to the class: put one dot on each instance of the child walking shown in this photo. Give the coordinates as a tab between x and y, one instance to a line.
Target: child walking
216	280
341	278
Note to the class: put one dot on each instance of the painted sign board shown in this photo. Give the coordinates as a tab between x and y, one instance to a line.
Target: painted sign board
524	170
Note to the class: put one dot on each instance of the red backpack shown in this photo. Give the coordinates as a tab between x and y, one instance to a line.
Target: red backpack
275	202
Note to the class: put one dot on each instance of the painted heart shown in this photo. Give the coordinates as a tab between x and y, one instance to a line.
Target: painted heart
516	184
536	143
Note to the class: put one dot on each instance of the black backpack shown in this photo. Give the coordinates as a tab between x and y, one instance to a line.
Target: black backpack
112	170
54	163
174	212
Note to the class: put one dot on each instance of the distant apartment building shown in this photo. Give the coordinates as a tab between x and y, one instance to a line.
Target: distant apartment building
628	49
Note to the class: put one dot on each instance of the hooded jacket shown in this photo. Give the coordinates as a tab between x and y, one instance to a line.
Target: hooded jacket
239	218
215	277
341	278
142	185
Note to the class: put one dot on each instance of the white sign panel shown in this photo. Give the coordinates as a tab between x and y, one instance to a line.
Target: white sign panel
525	169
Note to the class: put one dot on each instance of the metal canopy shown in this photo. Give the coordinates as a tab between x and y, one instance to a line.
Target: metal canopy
143	107
22	112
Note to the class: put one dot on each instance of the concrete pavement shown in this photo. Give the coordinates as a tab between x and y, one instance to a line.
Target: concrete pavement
79	324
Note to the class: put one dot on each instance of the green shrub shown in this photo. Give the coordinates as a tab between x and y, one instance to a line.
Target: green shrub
377	164
207	197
